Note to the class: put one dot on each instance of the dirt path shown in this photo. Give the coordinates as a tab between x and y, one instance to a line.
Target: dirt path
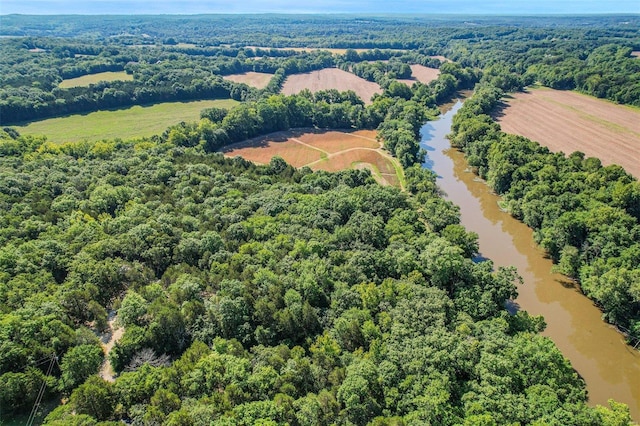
107	340
379	177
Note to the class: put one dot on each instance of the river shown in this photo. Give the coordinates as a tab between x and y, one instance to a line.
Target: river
610	368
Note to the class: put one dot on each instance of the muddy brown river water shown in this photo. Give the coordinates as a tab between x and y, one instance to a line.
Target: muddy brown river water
610	368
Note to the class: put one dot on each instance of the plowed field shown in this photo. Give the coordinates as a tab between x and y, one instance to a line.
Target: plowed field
568	121
323	150
330	78
422	74
259	80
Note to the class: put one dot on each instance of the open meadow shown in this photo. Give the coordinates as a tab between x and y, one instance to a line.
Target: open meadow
331	78
323	150
86	80
259	80
568	121
136	121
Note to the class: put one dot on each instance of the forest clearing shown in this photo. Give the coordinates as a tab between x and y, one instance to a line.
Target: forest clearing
424	75
86	80
568	121
331	78
134	122
259	80
322	150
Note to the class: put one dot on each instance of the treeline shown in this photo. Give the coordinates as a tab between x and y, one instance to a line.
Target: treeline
608	72
257	295
398	114
584	215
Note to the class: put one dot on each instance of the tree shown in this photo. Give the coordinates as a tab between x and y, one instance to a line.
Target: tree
79	363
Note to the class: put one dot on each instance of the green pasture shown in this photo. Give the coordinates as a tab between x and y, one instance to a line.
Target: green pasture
88	79
136	121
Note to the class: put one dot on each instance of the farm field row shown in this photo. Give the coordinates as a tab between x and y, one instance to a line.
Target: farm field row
422	74
323	150
258	80
569	121
331	78
136	121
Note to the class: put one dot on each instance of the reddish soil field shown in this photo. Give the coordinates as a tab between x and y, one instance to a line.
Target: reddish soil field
321	150
422	74
261	150
568	121
259	80
330	78
332	142
347	159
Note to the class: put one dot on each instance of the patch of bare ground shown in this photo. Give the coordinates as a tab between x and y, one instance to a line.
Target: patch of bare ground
636	53
259	80
569	121
347	159
331	78
283	144
332	141
107	340
422	74
329	150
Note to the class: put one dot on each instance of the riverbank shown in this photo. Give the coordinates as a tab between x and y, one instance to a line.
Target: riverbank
610	368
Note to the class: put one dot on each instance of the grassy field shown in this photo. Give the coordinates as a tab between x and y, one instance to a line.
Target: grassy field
88	79
137	121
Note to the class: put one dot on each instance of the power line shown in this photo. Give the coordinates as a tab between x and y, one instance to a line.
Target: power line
36	404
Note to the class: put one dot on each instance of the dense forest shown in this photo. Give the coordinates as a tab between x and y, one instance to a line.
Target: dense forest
264	295
258	295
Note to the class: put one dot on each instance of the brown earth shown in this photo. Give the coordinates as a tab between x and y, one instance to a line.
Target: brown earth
107	340
347	159
331	78
422	74
636	53
259	80
322	150
569	121
260	150
332	142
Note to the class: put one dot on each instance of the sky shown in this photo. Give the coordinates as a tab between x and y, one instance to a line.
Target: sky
491	7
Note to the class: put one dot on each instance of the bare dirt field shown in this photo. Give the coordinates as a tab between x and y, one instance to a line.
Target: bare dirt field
283	144
331	78
568	121
422	74
259	80
348	159
332	142
636	53
323	150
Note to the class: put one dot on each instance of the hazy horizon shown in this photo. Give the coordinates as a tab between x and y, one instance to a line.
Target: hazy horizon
462	7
